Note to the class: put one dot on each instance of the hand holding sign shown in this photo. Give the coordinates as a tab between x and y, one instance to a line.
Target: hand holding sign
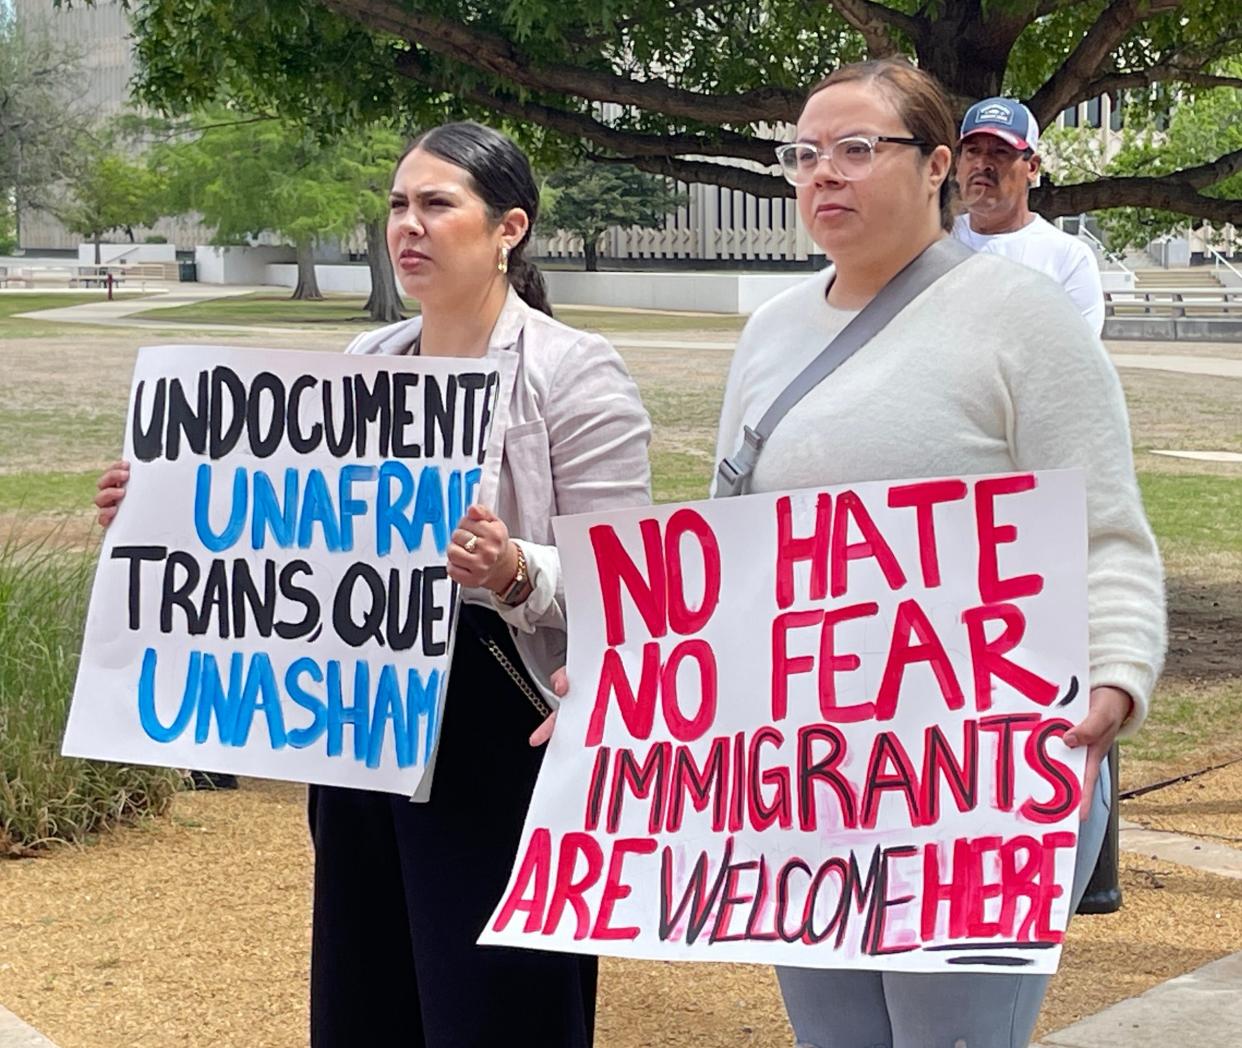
481	555
1098	731
111	490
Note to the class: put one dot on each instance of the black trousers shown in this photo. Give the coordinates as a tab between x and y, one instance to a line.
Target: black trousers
402	891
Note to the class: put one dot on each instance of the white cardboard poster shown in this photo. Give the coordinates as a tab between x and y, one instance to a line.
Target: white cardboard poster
272	598
818	728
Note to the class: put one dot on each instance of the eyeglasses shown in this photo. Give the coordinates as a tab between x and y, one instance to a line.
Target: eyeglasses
852	158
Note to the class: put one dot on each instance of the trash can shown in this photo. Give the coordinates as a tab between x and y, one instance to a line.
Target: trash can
187	272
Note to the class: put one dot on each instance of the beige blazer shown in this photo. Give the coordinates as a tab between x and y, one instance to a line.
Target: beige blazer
577	442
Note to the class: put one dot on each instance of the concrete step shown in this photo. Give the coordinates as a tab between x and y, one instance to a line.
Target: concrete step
1194	276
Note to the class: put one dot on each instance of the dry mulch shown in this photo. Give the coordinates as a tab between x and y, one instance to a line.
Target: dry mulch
194	931
1209	807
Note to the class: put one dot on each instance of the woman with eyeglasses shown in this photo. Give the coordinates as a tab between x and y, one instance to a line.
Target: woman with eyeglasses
991	369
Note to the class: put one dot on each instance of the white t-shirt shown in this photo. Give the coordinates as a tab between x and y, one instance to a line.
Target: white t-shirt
1042	246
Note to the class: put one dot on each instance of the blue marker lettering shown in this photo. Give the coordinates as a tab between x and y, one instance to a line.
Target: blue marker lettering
211	699
389	708
300	738
356	714
351	507
260	694
429	508
202	506
317	507
268	514
146	698
390	512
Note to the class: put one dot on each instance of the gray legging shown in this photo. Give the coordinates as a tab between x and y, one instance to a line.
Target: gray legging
866	1009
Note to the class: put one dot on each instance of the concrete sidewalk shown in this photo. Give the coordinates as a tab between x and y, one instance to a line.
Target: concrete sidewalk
1201	1009
16	1034
105	312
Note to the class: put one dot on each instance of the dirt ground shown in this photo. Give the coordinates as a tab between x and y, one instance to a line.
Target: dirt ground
1208	807
193	932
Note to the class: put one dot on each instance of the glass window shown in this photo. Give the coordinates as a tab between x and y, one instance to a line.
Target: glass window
1069	118
1116	115
1093	112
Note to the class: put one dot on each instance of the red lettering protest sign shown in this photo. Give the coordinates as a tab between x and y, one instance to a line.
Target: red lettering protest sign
817	728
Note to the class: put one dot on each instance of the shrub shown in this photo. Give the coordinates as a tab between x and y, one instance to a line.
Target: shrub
45	797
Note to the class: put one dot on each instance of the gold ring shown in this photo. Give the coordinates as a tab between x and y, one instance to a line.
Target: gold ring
470	543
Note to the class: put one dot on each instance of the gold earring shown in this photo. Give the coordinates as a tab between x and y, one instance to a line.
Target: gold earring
503	264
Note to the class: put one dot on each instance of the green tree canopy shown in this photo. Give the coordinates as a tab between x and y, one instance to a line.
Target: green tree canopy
1191	136
42	121
110	191
586	199
688	90
250	174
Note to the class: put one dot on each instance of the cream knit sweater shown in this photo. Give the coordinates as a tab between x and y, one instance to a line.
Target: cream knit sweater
992	369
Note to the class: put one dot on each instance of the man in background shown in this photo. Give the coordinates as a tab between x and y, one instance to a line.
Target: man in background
997	163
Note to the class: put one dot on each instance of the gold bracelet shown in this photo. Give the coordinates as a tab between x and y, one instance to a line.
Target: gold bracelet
519	589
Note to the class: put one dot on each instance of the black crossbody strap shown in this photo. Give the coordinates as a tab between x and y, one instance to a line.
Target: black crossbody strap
733	473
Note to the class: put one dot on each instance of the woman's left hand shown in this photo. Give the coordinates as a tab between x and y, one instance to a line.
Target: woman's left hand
1097	730
481	555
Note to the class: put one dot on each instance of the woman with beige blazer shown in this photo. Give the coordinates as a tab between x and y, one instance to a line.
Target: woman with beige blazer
402	890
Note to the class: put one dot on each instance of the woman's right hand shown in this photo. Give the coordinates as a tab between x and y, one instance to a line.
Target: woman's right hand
111	491
560	685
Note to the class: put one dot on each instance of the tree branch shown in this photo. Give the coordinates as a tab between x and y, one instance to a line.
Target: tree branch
1177	191
493	54
580	125
1100	40
1114	82
878	25
1051	7
742	178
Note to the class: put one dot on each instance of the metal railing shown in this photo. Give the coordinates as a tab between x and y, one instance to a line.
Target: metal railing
1103	248
1220	260
1174	302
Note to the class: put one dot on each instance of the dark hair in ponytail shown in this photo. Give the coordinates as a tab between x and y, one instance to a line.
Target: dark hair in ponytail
503	179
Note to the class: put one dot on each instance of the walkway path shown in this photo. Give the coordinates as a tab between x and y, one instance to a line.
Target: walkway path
121	312
16	1034
1201	1009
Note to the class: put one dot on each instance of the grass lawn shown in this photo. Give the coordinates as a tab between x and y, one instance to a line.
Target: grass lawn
62	422
12	304
277	308
262	307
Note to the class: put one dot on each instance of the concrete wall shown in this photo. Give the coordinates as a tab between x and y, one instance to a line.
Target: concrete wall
354	279
238	265
109	253
698	292
1169	329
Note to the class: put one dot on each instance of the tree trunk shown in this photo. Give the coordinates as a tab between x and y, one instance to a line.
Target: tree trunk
592	254
384	304
308	285
97	236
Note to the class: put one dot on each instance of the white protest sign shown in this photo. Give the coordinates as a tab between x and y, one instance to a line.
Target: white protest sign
272	598
820	728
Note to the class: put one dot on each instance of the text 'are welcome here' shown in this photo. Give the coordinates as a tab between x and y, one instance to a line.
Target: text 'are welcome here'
878	718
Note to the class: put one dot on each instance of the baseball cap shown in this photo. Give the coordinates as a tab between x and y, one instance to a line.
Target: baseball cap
1006	118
